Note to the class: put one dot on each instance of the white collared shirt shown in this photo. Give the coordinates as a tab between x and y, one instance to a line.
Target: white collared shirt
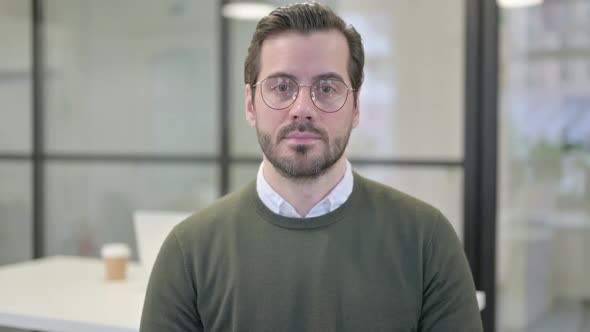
331	202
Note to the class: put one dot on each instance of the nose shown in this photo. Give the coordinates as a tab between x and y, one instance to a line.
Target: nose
303	107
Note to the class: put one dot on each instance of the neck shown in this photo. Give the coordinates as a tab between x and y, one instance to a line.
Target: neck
304	195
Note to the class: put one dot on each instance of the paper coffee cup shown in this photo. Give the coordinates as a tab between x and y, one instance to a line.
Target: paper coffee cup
115	257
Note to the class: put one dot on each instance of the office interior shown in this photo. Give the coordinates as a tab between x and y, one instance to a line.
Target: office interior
478	107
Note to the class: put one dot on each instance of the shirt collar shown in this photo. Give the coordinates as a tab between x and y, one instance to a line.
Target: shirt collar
331	202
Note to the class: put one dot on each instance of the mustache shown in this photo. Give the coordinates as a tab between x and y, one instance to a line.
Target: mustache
302	127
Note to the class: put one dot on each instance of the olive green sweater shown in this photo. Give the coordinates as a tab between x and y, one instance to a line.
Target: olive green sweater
383	261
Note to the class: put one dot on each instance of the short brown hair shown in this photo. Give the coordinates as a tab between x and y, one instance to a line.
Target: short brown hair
305	18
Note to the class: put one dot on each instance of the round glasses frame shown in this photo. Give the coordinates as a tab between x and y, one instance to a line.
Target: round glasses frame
296	94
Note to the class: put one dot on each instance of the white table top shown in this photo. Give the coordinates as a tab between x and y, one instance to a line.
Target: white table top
69	294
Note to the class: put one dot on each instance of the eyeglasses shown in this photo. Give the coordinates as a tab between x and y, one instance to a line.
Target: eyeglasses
280	92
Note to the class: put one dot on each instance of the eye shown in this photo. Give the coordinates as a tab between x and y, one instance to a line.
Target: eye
282	87
326	89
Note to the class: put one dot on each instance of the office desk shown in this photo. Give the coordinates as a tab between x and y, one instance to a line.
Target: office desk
69	294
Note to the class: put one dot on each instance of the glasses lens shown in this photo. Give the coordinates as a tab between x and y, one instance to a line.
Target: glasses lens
330	95
279	92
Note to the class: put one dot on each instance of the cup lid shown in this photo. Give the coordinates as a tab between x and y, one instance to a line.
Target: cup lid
115	250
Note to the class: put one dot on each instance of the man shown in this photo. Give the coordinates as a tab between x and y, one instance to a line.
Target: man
310	245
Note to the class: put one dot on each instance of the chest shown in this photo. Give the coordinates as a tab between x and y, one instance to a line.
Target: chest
308	283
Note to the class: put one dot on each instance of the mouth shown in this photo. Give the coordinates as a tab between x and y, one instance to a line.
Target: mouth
302	138
301	134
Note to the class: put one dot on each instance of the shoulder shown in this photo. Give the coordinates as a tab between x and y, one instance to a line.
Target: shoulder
394	201
410	223
396	212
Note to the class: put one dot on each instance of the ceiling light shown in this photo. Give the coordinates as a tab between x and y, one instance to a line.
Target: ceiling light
518	3
249	11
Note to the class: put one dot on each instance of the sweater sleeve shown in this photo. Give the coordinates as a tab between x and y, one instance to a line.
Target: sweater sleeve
449	302
170	302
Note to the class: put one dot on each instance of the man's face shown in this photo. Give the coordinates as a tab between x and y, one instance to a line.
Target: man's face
301	141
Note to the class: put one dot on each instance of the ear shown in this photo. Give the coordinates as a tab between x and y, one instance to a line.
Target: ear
250	112
356	111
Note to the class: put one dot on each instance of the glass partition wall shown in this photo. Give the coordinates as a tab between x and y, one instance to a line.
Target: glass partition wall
144	109
544	169
131	110
16	226
130	100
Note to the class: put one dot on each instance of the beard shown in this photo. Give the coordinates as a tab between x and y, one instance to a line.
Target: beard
302	165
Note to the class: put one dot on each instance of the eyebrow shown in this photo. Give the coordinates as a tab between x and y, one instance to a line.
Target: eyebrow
323	76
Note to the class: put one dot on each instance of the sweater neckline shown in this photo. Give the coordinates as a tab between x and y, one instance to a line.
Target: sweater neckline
307	223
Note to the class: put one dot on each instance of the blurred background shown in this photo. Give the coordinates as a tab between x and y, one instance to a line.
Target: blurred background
480	108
